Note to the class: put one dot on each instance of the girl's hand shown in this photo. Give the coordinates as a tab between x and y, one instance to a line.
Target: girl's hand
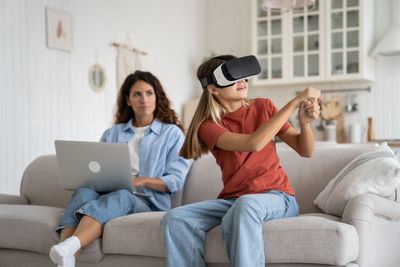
308	94
308	111
139	181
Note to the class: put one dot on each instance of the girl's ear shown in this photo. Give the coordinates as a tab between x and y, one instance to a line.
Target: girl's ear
212	89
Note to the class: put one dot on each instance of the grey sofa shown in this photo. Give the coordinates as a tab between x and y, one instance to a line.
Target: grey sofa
368	235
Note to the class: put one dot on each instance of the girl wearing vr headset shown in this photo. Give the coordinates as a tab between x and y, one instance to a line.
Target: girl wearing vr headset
239	134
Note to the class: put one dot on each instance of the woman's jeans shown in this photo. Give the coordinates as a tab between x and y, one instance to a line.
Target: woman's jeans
101	207
184	228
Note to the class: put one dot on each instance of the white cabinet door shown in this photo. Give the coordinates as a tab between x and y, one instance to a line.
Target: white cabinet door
324	43
344	37
305	43
349	34
269	43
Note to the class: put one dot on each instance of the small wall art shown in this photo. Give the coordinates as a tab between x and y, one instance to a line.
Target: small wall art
58	29
97	77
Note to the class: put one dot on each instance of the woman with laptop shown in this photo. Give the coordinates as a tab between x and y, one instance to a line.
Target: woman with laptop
146	122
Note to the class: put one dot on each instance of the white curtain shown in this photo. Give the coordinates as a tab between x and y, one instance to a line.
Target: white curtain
128	61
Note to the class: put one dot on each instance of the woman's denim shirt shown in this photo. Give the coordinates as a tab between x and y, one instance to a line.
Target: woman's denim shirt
159	158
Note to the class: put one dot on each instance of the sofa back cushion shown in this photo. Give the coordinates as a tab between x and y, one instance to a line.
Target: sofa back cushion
203	181
308	176
41	183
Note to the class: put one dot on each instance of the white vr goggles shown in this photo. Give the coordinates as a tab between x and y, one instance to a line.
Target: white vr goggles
231	71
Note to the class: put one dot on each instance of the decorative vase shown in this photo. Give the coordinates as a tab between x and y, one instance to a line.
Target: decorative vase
329	130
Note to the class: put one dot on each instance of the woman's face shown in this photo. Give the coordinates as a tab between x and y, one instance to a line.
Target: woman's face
142	99
236	92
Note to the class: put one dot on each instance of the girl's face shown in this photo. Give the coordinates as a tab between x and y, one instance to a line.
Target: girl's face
142	99
233	93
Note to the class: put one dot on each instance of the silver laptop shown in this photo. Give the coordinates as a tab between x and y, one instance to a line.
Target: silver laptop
104	167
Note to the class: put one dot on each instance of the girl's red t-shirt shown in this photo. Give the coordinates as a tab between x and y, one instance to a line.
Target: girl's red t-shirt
247	172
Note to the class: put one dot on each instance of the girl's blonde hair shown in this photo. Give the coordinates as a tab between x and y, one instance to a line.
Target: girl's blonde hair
208	108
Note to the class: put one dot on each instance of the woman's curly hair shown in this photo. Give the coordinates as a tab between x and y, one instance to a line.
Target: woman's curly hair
163	111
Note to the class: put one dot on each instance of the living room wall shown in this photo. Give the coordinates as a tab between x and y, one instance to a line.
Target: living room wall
45	93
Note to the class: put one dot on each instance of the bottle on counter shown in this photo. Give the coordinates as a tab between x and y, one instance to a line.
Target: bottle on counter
370	130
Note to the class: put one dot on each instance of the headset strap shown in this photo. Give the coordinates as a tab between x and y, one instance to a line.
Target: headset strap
206	81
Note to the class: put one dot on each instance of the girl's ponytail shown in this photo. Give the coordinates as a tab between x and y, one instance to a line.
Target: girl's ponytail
194	147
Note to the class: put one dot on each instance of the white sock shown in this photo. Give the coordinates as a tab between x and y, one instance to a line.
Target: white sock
63	253
69	262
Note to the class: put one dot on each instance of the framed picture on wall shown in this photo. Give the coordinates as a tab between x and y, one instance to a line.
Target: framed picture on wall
58	29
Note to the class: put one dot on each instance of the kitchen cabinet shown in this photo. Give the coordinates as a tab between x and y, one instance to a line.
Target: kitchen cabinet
269	44
328	42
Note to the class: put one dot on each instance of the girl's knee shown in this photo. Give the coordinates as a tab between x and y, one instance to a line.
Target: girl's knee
246	208
173	216
167	220
245	202
168	217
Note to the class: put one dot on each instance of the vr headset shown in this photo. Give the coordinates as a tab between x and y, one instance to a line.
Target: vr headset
231	71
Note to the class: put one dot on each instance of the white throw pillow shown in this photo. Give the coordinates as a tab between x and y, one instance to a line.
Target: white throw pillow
376	172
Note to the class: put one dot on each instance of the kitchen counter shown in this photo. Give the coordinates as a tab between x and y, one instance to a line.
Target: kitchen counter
394	144
390	142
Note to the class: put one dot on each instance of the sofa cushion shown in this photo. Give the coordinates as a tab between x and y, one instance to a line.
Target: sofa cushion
308	176
312	238
32	228
204	180
376	172
41	183
318	239
12	199
136	234
21	225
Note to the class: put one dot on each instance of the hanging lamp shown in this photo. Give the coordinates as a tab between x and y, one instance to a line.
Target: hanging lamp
286	5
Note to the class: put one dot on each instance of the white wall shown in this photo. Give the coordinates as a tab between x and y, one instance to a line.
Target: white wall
228	27
229	31
386	97
44	93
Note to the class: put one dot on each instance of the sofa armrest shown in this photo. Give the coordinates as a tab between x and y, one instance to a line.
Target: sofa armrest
377	221
12	199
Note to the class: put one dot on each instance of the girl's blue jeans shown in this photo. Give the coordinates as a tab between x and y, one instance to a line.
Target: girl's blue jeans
101	207
184	228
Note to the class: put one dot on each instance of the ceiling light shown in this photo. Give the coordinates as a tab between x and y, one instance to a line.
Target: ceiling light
286	5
